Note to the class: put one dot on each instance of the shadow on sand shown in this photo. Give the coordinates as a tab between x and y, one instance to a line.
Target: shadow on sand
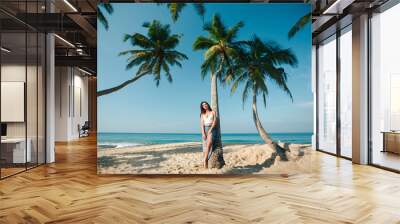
147	160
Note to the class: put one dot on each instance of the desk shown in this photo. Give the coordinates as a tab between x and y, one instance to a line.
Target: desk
391	141
13	150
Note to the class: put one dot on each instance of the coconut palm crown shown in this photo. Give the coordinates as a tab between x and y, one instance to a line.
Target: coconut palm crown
258	66
153	54
220	46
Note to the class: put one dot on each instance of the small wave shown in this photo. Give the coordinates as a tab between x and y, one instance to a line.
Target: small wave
117	145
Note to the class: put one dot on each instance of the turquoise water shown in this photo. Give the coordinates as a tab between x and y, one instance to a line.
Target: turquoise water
133	139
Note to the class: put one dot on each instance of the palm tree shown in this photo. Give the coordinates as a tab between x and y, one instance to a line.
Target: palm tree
176	8
100	15
300	23
154	53
220	48
258	64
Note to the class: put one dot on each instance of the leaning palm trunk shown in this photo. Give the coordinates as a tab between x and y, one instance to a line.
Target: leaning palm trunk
120	86
261	131
217	157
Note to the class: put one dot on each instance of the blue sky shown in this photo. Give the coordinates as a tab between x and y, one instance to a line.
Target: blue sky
174	108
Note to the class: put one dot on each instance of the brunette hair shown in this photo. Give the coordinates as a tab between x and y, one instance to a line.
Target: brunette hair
202	110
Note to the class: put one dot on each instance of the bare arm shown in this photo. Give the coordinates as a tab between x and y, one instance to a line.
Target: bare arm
203	132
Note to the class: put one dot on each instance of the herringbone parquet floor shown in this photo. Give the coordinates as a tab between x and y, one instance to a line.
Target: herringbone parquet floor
70	191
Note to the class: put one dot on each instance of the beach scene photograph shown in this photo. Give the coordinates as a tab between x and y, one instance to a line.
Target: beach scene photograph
204	88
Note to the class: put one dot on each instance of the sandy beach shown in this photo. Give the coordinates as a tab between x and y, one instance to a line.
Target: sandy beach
186	158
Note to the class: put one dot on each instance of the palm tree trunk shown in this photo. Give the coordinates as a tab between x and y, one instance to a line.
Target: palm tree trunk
120	86
217	157
261	131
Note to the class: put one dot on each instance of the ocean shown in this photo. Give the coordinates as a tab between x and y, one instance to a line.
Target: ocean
108	140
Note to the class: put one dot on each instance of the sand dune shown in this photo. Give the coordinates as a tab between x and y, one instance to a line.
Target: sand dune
186	158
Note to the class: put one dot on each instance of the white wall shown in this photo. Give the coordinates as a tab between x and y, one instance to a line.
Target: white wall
33	126
71	94
12	73
61	103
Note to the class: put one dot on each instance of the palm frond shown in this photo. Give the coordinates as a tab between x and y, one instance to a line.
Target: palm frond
176	54
300	24
284	56
175	9
279	76
238	81
139	40
212	52
108	7
200	9
203	43
247	88
137	60
171	42
100	15
102	19
208	66
264	99
167	73
218	28
233	31
131	52
278	56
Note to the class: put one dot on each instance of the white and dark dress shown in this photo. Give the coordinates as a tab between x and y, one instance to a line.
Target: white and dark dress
207	123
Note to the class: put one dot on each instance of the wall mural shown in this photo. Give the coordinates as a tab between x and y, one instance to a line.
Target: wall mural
212	88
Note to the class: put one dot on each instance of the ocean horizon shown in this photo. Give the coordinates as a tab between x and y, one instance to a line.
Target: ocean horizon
121	139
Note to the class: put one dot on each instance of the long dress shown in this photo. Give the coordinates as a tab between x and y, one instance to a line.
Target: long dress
214	138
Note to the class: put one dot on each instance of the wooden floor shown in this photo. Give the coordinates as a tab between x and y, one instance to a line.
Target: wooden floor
70	191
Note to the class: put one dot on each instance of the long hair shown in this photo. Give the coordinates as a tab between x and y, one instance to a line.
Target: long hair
202	110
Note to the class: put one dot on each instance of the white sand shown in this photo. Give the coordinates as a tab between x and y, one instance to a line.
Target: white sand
186	158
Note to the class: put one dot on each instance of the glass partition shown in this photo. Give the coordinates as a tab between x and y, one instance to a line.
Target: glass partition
22	77
327	95
14	153
385	89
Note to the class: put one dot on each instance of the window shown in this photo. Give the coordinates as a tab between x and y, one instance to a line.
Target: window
346	92
327	95
385	89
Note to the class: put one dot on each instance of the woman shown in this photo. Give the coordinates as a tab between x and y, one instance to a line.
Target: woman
208	120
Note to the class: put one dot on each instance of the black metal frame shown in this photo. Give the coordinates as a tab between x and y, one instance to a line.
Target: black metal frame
316	97
44	77
369	90
338	76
